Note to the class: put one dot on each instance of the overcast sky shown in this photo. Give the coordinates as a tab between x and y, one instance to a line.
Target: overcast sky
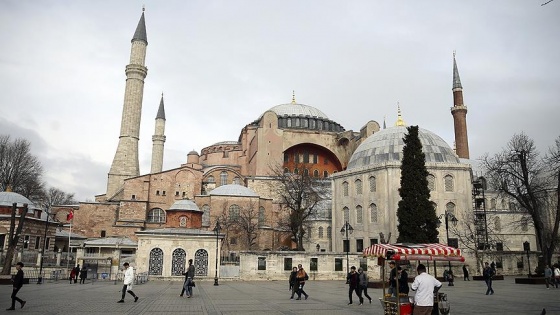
221	64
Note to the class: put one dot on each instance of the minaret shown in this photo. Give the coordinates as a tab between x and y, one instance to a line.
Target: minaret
459	112
125	164
400	120
158	139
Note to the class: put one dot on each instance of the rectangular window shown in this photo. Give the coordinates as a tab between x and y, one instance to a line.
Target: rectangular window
314	264
363	263
26	242
359	245
453	242
338	264
163	193
305	157
500	247
2	241
103	233
176	193
480	246
373	241
346	245
37	242
286	158
287	264
261	263
296	157
47	243
520	263
133	197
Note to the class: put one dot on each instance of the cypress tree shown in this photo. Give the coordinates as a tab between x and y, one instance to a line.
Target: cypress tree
416	214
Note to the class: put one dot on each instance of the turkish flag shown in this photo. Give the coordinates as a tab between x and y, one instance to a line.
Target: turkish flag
70	215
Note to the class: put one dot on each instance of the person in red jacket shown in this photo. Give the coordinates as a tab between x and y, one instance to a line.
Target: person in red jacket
18	283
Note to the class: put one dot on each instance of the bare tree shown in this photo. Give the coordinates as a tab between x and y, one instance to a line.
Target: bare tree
520	173
19	169
298	194
13	237
247	222
55	197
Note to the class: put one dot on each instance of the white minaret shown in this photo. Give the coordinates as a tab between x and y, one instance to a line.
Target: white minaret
125	164
158	139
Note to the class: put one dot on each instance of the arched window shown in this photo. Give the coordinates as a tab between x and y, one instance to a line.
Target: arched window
206	215
201	262
237	180
372	184
431	182
358	184
359	214
373	215
325	174
320	232
178	259
156	215
234	212
449	186
450	207
497	224
223	178
182	221
308	232
305	172
296	171
525	224
329	232
346	213
345	189
286	170
210	179
261	216
156	262
315	173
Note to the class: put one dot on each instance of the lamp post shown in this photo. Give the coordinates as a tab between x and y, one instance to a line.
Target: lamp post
217	230
448	217
347	228
527	248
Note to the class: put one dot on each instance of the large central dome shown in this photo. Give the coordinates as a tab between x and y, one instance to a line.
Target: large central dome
295	109
387	145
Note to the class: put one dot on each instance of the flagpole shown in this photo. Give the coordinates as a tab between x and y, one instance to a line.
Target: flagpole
69	237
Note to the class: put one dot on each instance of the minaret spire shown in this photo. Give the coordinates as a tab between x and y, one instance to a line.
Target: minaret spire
400	120
459	112
293	97
125	163
158	139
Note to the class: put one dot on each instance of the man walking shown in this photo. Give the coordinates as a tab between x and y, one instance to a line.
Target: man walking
392	279
353	281
293	282
363	279
18	283
189	276
425	285
128	280
487	274
300	278
548	276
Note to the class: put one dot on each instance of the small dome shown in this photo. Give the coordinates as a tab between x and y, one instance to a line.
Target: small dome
184	205
193	152
387	145
7	198
295	109
233	190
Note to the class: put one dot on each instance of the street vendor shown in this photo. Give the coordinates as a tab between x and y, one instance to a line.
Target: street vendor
425	285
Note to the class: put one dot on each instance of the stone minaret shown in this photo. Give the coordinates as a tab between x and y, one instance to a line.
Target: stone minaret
125	164
158	139
459	112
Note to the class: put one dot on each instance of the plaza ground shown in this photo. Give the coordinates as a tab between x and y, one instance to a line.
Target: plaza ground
264	297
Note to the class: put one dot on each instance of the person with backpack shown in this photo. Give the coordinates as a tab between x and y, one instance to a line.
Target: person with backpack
301	277
363	279
487	274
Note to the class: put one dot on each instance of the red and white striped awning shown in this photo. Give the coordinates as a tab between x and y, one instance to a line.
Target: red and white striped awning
414	252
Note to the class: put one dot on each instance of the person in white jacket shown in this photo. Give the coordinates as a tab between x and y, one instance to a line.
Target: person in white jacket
128	280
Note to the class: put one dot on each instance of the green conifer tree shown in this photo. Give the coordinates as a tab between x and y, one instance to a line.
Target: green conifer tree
416	214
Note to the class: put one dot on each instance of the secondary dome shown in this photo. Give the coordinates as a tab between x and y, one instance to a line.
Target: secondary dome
7	198
387	145
184	205
233	190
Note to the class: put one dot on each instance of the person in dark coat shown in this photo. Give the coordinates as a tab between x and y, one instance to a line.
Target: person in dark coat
293	282
363	286
393	279
354	282
189	278
466	273
403	281
76	273
83	275
17	284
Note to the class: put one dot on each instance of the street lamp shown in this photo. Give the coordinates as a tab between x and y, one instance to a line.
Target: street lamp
527	248
448	217
347	228
217	230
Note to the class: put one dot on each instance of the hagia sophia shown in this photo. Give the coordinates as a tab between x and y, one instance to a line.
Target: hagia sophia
171	215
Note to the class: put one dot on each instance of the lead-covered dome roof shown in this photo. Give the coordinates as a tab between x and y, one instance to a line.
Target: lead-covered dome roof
7	198
387	146
296	109
184	205
233	190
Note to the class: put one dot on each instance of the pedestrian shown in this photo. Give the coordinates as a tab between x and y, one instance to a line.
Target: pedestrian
189	280
17	284
450	278
293	282
353	281
83	275
364	280
425	286
72	275
556	276
127	283
301	277
466	273
403	281
547	276
76	273
392	279
487	274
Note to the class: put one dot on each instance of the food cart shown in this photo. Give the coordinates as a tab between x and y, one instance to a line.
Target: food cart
403	305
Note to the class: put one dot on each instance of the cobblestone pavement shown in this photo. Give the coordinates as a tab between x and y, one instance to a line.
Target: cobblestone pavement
265	297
